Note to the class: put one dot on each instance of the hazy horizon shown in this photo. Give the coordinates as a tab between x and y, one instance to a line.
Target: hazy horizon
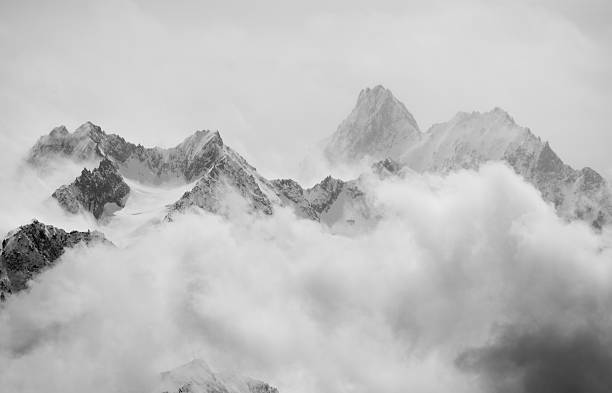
276	78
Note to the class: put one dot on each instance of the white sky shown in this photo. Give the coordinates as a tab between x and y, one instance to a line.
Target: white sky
275	77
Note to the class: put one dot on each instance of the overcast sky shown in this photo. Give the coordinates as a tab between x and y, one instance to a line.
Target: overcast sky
275	77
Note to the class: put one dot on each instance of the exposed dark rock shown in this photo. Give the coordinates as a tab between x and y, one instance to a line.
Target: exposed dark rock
93	190
32	248
386	167
229	174
292	194
324	194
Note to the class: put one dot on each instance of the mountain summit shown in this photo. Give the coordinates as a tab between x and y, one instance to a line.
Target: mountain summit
379	127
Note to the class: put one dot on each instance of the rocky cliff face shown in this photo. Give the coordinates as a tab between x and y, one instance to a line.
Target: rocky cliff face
32	248
180	164
228	174
331	201
94	190
379	127
197	377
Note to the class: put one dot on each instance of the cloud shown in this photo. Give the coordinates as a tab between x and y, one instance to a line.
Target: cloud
544	361
416	303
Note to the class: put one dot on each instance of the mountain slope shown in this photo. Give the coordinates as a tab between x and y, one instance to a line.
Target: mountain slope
220	172
180	164
468	140
202	156
32	248
197	377
465	142
227	174
379	127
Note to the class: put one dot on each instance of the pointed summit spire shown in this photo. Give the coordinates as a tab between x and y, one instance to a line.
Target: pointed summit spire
379	127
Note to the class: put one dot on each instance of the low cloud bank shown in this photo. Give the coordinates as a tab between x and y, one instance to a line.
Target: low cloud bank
469	283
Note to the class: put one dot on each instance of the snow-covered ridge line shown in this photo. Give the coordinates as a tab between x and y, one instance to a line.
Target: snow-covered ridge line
379	127
465	142
217	170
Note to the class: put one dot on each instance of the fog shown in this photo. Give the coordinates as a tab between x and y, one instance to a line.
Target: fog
277	76
468	283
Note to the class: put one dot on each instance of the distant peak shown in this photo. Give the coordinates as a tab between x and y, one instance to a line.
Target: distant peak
495	114
59	131
88	124
202	136
378	92
380	99
497	111
88	128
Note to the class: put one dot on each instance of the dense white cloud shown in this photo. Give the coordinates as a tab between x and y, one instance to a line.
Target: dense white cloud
416	303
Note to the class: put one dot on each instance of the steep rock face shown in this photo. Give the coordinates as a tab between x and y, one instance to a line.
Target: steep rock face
197	377
230	173
221	171
379	127
33	248
324	194
291	193
331	201
180	164
81	145
469	140
93	190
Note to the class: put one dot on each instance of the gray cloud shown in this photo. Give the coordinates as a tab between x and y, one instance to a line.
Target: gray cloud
544	361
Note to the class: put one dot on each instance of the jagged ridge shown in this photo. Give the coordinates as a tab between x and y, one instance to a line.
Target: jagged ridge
467	141
93	190
32	248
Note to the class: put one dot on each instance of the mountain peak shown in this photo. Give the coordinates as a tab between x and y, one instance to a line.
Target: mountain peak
90	129
378	91
379	126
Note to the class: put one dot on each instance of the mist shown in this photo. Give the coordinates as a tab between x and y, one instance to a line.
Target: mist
469	282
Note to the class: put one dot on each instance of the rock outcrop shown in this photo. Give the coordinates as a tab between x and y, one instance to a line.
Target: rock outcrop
94	190
30	249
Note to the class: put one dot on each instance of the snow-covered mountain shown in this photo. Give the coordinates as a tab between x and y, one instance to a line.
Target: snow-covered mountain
197	377
180	164
220	173
466	141
379	127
